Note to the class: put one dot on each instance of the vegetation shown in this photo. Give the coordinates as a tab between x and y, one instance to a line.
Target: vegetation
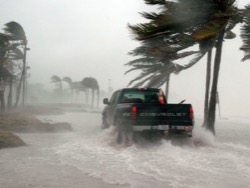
58	84
86	85
91	83
179	25
13	48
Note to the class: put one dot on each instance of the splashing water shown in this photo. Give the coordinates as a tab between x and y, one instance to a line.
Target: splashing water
201	161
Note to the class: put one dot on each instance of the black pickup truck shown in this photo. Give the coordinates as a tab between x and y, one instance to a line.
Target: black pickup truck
145	109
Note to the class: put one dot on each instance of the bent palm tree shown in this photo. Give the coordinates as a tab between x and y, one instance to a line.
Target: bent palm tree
201	22
75	87
91	83
58	83
16	34
9	53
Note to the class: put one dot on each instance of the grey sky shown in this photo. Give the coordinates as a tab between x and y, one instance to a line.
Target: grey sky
79	38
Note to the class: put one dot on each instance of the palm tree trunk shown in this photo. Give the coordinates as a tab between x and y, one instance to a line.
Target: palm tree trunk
18	91
24	74
2	101
167	87
98	97
10	93
208	78
93	98
212	104
87	96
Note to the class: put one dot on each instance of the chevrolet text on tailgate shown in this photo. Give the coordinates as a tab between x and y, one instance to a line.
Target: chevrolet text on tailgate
145	109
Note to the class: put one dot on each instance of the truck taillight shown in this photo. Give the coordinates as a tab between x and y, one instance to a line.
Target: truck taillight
187	128
191	113
133	112
161	97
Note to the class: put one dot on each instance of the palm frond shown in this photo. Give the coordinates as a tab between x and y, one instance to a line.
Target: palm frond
245	35
142	82
142	61
195	60
211	29
15	31
55	79
142	76
16	54
157	80
155	2
67	79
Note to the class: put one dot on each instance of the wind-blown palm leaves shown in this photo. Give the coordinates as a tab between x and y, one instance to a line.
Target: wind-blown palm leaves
9	53
57	81
188	22
202	22
16	35
15	32
156	61
58	84
245	34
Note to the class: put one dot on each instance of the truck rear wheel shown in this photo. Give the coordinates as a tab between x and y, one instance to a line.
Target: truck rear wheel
124	133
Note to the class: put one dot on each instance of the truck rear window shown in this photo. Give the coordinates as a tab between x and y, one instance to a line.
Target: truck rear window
140	97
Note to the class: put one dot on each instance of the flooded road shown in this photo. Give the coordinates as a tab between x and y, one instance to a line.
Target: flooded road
89	157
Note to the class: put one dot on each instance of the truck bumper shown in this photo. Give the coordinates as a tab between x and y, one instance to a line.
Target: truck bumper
166	129
161	127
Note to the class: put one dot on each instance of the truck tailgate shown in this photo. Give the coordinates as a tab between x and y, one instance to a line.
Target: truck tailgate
163	114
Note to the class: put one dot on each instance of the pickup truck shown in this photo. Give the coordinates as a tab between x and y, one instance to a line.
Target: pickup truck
145	109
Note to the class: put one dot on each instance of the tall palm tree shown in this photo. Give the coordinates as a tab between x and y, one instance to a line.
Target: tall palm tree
203	22
75	87
9	53
17	34
70	83
57	80
91	83
58	83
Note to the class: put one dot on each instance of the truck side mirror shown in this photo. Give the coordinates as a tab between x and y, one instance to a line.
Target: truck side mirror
105	101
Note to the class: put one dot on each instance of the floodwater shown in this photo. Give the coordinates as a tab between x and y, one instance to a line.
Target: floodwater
89	158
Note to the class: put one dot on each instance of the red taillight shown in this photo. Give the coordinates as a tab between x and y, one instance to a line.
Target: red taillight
133	112
191	113
187	128
161	97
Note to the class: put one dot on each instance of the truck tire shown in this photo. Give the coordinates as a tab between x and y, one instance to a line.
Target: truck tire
125	134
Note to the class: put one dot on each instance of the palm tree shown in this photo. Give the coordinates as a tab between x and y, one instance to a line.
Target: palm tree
91	83
58	83
75	87
199	22
9	53
70	83
16	34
